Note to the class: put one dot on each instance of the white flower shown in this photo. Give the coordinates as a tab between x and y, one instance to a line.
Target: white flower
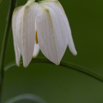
41	25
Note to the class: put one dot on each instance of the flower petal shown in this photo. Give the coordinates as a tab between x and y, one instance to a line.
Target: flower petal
24	28
15	34
52	37
58	7
36	50
28	34
70	40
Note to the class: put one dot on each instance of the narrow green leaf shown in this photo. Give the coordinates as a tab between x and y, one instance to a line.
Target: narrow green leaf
30	97
65	65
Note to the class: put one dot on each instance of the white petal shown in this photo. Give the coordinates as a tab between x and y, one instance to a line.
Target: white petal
28	34
70	40
25	31
15	34
36	50
52	37
36	46
58	7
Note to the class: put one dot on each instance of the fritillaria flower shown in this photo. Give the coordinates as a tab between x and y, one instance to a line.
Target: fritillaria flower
41	25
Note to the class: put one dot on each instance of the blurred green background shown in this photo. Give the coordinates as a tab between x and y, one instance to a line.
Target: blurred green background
57	84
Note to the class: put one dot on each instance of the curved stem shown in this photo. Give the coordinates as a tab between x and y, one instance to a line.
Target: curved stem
4	45
65	65
30	97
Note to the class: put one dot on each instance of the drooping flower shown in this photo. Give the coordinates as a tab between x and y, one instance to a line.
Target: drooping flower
43	26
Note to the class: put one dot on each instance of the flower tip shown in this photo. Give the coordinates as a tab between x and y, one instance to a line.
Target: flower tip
75	53
57	64
26	62
18	65
25	66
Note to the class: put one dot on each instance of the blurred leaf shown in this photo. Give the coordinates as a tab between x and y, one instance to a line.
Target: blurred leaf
1	1
30	97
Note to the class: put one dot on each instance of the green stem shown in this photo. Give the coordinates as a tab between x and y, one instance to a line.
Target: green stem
4	45
64	65
30	97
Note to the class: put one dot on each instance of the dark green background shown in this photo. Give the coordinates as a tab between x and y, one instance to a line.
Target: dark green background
56	84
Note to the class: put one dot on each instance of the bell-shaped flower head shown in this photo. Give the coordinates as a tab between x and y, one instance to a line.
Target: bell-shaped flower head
41	25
